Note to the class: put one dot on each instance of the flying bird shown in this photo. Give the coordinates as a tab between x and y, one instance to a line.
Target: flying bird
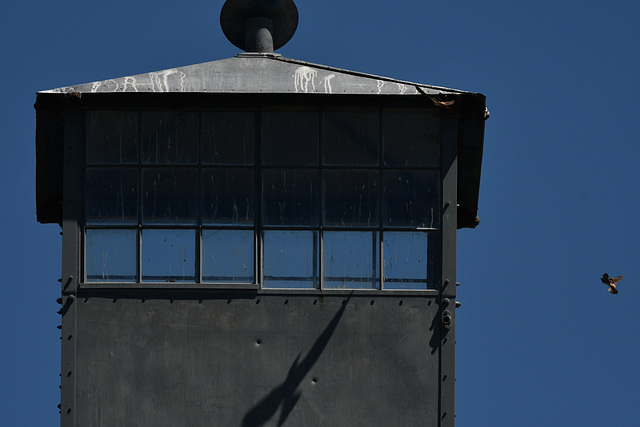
611	282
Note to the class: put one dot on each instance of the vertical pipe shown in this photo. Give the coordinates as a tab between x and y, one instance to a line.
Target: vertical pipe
258	35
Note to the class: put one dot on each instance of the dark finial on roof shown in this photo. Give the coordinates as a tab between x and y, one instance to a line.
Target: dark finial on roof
259	25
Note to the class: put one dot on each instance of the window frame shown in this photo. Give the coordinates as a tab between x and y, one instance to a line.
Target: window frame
435	238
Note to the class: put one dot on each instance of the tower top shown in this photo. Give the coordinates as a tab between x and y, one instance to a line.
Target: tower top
259	25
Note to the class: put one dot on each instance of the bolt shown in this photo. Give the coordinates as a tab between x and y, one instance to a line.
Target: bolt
446	317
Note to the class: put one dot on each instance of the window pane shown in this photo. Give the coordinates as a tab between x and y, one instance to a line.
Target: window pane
350	259
411	199
411	138
228	137
169	195
111	196
290	137
227	256
290	197
169	137
405	260
227	196
351	198
111	255
290	259
351	137
168	255
112	137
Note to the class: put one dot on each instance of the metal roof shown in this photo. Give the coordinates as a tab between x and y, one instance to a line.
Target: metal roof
255	73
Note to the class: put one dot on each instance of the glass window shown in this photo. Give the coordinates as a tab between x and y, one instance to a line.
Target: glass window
351	137
111	255
168	255
228	137
290	259
111	196
411	198
227	256
350	259
112	137
227	196
291	137
411	138
286	198
290	197
169	196
170	137
351	198
405	260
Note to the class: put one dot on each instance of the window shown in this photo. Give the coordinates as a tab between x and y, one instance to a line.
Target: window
282	198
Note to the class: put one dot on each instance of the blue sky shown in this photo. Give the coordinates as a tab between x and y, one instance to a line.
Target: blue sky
539	340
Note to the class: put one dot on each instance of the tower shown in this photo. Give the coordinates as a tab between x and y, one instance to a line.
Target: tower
258	240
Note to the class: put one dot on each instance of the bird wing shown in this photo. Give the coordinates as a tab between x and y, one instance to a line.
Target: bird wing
605	279
615	280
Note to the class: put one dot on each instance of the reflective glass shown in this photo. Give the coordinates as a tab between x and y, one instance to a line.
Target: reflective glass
112	137
411	138
350	259
170	137
290	197
350	137
227	196
375	169
227	256
290	259
228	137
405	260
411	198
351	198
111	196
290	137
111	255
168	255
169	196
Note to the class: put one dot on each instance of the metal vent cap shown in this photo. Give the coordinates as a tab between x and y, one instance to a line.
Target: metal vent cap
259	25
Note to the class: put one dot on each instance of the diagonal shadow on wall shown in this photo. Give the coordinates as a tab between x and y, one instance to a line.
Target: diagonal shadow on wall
286	394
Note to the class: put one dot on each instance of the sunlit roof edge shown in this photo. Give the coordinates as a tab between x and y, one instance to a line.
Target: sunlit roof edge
257	73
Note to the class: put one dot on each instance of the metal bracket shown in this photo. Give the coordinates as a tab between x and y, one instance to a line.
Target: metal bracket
446	319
